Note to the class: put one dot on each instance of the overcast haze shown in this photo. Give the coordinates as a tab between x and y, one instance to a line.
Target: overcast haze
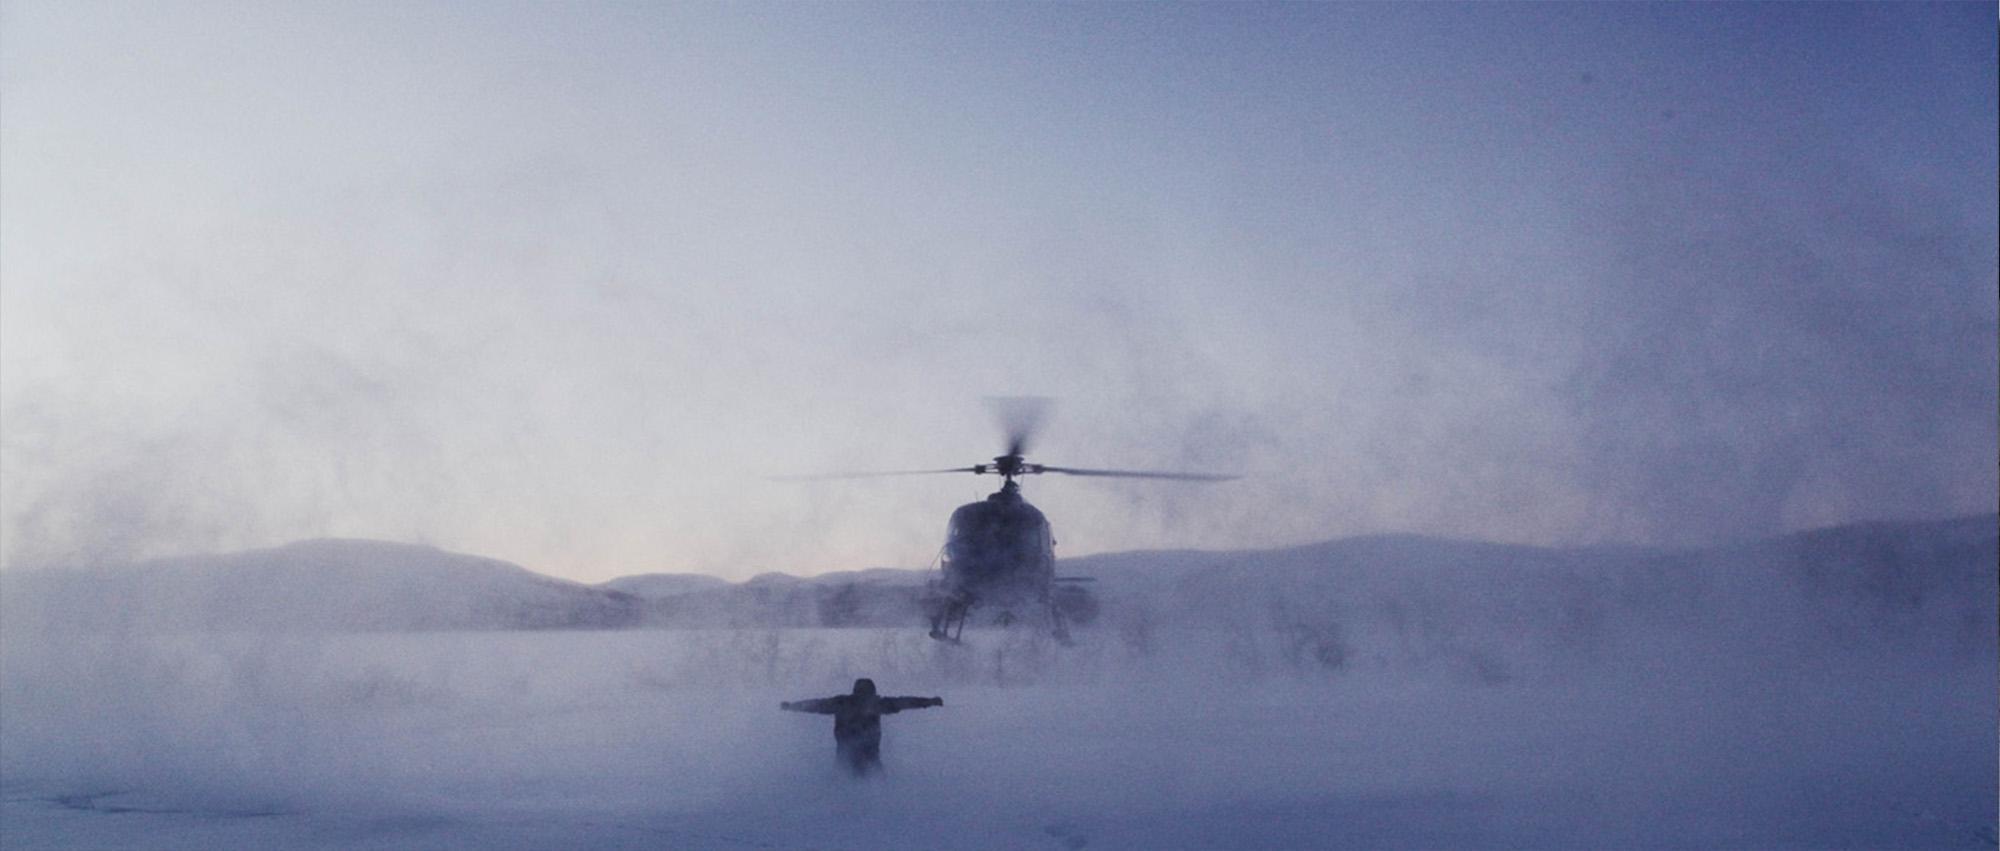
561	284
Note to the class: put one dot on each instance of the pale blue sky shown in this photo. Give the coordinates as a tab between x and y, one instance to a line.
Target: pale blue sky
559	283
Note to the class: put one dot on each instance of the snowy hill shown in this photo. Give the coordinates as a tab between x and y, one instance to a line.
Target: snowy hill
1827	689
319	585
1480	608
657	585
1390	599
874	597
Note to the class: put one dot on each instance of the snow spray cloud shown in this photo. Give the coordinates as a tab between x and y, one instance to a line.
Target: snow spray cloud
1225	732
1780	353
559	288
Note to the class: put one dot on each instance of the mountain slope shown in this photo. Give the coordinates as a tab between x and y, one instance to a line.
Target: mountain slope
322	585
1398	600
1339	601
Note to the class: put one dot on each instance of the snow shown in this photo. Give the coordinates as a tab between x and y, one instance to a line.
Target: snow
1720	710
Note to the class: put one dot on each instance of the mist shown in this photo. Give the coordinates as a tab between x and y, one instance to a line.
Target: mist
568	285
1828	689
397	405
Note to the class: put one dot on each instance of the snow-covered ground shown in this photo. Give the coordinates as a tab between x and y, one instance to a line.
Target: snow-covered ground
1161	738
1834	688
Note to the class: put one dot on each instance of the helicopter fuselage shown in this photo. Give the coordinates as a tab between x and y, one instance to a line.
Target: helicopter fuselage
1000	550
1000	558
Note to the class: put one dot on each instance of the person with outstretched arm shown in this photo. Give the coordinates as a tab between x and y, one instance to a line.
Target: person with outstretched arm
857	721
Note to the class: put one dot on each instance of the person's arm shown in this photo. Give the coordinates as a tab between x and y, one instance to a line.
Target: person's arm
898	704
822	706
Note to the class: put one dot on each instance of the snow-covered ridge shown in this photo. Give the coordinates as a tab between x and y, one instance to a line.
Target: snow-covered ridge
1921	589
318	585
1831	689
1935	578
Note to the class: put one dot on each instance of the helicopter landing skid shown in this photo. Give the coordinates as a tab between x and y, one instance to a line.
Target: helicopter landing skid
949	626
942	624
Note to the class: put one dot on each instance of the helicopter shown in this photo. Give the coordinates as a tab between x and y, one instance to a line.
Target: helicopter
999	553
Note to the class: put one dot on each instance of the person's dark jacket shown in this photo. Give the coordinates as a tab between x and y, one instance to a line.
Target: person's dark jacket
857	720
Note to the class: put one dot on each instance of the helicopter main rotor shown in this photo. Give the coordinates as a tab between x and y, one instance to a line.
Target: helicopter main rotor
1021	417
1009	466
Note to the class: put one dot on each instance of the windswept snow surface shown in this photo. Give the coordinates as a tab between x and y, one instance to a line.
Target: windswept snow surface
1787	694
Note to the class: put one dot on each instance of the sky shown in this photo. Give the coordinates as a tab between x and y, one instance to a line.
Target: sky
567	284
